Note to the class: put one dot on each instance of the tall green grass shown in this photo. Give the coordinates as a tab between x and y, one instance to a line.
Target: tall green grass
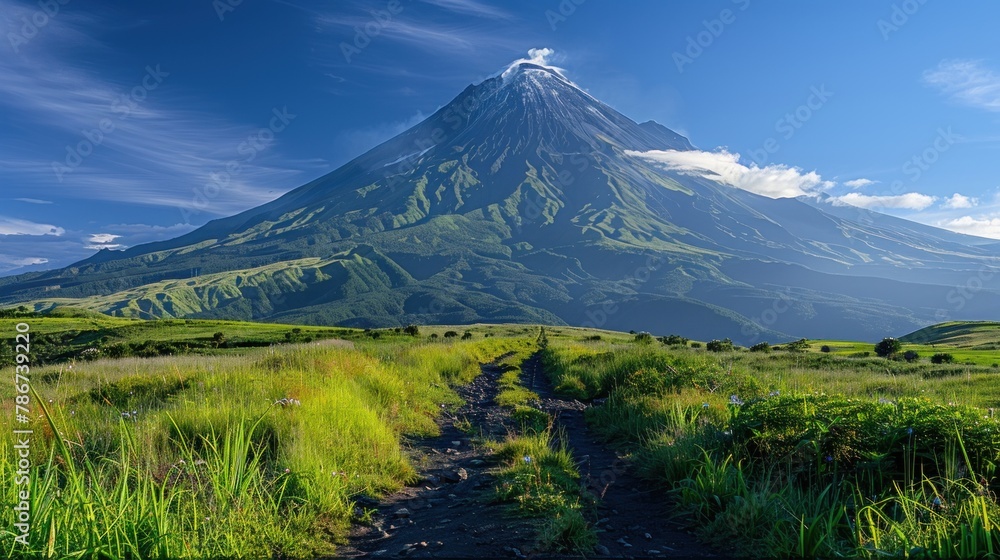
236	456
799	454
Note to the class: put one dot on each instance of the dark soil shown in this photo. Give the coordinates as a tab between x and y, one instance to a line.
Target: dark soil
448	513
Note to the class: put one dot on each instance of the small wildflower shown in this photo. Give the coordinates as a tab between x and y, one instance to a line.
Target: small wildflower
774	393
527	459
828	458
733	399
909	431
288	471
704	405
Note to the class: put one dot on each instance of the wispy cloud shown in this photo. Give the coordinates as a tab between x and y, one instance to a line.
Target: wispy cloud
859	183
774	181
472	8
33	200
907	201
158	151
968	82
15	226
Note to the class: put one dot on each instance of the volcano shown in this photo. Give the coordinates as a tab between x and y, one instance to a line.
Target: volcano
525	199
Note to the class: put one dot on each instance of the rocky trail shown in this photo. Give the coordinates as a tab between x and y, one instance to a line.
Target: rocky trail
448	514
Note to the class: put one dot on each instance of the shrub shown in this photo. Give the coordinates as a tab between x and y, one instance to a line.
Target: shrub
644	338
450	334
674	340
466	335
695	345
825	348
888	348
761	347
911	356
724	345
800	345
412	330
942	358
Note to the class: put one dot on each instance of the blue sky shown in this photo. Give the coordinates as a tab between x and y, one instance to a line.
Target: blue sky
127	122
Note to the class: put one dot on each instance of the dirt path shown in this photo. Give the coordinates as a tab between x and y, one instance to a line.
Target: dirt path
448	514
633	523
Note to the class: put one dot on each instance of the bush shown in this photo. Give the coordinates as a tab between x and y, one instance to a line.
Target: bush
724	345
942	358
450	334
412	330
888	348
644	338
800	345
761	347
466	335
674	340
911	356
695	345
825	348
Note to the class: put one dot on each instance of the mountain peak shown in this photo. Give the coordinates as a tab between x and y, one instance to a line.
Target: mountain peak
537	61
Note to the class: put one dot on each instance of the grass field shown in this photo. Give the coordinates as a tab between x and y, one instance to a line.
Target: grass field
230	449
227	454
804	453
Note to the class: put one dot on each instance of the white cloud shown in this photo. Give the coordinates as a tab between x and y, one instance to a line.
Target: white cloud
774	181
14	226
982	226
907	201
100	241
859	183
19	262
968	82
33	200
541	57
957	201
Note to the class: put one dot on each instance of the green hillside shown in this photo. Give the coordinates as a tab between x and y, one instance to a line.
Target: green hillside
973	335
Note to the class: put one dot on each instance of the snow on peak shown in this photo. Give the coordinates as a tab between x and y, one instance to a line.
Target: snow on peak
536	57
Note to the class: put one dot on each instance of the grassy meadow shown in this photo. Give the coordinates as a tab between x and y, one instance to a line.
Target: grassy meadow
261	441
230	454
802	453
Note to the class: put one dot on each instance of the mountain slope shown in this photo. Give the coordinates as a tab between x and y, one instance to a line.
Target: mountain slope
519	201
